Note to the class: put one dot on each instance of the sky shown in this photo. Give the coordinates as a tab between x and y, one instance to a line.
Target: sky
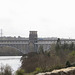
51	18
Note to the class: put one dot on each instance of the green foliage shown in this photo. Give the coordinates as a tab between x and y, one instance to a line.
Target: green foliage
72	53
55	67
68	64
71	56
38	69
20	72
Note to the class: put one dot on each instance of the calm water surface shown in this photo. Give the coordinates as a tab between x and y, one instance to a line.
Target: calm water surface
13	61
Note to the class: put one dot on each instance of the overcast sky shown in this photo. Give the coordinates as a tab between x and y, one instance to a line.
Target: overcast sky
51	18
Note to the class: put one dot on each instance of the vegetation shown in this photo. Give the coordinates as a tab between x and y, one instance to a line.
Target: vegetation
5	70
68	64
20	72
59	56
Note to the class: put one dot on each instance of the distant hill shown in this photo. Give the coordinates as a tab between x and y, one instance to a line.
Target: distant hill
8	51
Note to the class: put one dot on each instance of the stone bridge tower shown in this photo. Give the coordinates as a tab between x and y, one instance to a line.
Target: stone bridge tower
33	41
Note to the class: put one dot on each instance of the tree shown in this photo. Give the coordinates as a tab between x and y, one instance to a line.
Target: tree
65	46
58	41
68	64
57	47
41	49
71	47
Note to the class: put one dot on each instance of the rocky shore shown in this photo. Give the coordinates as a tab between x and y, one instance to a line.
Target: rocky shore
64	71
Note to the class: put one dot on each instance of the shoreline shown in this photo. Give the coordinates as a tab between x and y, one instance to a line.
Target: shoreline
64	71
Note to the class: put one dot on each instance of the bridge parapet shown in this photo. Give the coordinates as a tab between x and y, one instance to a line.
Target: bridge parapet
13	43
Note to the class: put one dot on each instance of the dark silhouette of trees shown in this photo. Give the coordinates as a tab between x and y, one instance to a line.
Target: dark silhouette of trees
68	64
41	49
71	47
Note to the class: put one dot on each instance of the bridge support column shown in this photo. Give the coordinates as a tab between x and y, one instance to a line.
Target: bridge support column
32	41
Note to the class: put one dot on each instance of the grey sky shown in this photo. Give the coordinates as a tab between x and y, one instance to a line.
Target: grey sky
51	18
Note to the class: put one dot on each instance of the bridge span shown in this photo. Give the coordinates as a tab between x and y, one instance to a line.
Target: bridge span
31	44
20	44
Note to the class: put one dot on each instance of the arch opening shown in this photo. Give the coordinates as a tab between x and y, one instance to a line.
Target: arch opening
10	51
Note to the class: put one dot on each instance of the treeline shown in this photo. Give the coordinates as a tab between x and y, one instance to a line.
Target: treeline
64	46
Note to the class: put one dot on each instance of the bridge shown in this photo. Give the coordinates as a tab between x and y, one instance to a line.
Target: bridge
24	45
20	44
31	44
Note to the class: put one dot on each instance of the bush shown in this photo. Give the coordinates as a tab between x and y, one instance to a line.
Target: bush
20	72
38	70
55	67
72	53
5	70
68	64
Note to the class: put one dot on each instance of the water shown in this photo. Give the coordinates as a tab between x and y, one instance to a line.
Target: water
13	61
